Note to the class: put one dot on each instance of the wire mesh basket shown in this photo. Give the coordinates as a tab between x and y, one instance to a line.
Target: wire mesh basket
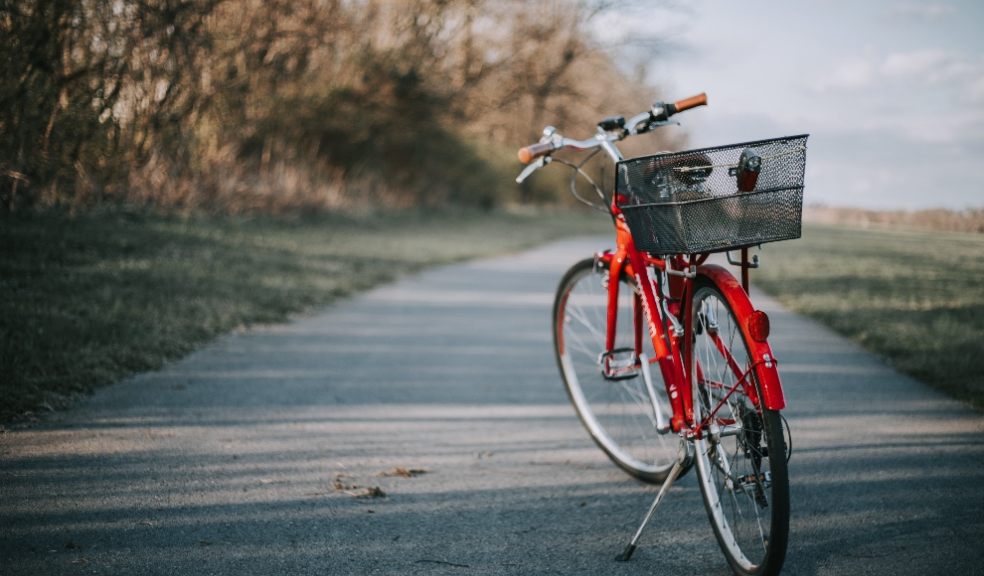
714	199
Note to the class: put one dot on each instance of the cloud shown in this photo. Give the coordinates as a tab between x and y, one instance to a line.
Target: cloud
977	90
923	11
847	75
916	63
932	65
922	67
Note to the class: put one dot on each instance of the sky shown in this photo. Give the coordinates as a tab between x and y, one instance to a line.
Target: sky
891	92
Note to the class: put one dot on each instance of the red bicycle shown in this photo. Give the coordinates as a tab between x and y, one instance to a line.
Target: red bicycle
664	357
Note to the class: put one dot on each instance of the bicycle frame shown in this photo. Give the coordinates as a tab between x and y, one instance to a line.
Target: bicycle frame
665	306
666	299
723	393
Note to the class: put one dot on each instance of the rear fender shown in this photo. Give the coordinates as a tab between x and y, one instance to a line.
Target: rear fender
762	356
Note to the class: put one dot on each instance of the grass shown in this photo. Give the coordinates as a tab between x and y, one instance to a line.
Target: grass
90	298
916	298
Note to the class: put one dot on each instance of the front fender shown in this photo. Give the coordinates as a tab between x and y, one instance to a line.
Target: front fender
762	356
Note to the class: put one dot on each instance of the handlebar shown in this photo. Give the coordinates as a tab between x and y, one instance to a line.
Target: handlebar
528	153
687	103
638	124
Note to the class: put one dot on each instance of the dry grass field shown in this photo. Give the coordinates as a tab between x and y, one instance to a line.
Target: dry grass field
914	297
90	298
87	299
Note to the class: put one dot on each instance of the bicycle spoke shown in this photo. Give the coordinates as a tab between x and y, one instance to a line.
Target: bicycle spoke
618	412
736	473
577	314
585	348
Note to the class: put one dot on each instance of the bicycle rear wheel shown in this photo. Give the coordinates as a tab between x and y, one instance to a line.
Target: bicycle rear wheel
741	461
616	410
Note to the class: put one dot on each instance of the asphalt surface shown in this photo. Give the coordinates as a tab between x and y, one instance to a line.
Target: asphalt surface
421	428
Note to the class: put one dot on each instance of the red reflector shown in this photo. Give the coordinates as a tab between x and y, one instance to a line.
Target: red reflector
758	326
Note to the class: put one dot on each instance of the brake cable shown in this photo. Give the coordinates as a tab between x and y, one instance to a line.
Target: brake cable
573	184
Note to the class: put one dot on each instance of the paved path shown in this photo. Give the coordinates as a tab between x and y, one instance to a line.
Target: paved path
260	454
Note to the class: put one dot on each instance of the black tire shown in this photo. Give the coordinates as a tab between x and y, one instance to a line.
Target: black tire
616	412
742	472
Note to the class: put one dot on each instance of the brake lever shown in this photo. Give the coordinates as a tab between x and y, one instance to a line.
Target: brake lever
532	167
646	122
659	123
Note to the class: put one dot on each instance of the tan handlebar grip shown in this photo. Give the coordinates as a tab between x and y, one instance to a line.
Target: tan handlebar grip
527	154
692	102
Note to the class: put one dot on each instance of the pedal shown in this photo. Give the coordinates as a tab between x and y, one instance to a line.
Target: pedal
620	364
765	478
758	486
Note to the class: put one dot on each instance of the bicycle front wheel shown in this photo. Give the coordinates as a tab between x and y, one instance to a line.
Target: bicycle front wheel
615	407
741	459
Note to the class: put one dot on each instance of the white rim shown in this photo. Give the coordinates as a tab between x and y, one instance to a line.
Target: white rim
706	469
593	326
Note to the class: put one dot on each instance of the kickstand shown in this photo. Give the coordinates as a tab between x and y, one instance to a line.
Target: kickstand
685	457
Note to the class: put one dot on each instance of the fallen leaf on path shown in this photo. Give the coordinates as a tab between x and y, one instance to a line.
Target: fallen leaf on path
339	485
354	491
403	472
370	492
